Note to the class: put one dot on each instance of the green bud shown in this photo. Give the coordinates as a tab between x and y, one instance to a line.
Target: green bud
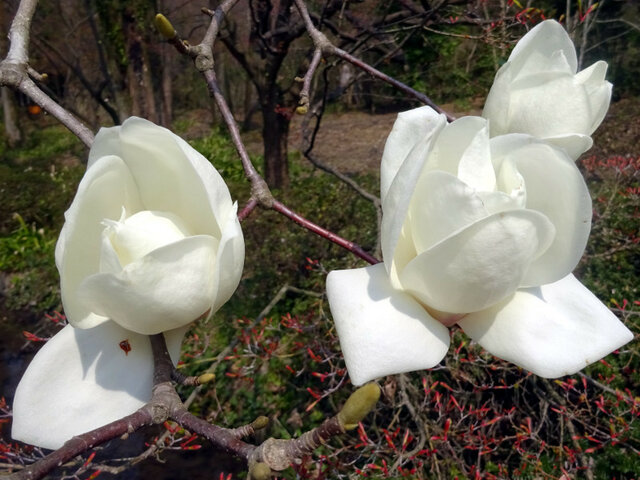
260	471
164	26
358	405
206	378
260	422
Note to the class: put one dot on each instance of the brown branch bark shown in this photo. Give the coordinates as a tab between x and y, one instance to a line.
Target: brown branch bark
14	72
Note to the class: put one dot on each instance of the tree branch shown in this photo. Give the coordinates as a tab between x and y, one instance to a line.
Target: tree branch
14	73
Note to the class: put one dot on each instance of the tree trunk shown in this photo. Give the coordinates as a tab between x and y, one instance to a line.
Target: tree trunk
14	136
275	132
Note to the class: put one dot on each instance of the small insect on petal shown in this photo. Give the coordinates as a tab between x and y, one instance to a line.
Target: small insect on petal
125	346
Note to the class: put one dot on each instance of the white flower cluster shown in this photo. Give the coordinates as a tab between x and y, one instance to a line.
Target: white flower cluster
484	220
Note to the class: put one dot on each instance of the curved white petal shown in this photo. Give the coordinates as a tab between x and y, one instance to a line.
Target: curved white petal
169	288
542	42
105	144
454	141
81	380
408	129
553	330
173	177
396	202
230	259
598	91
555	188
480	265
382	331
442	205
105	189
554	108
496	107
574	144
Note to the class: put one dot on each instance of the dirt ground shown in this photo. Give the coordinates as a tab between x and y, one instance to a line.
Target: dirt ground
353	142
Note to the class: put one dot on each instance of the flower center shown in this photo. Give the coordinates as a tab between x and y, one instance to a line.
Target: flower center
133	237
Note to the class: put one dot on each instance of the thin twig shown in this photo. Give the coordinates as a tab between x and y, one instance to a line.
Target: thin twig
322	42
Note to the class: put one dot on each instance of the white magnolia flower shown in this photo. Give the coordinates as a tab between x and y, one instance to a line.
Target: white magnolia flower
483	232
150	243
539	92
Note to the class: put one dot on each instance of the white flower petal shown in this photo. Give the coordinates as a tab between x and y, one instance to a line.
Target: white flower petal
401	189
479	265
230	259
166	289
574	144
555	188
106	187
496	107
106	143
475	168
452	143
81	380
598	91
172	177
382	331
554	108
553	330
542	41
442	205
408	129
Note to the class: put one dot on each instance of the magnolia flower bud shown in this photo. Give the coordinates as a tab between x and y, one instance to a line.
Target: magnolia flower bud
540	92
150	244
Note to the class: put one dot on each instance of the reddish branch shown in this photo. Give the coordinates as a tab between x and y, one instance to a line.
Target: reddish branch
324	233
260	193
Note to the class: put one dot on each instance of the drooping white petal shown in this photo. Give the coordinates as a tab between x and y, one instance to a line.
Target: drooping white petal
397	200
230	259
172	177
83	379
542	41
169	288
480	265
382	331
553	330
555	188
408	129
105	189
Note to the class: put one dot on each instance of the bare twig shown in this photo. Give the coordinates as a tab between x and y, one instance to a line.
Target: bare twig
14	72
322	42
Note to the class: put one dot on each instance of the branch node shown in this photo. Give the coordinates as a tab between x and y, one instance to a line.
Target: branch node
159	413
204	61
